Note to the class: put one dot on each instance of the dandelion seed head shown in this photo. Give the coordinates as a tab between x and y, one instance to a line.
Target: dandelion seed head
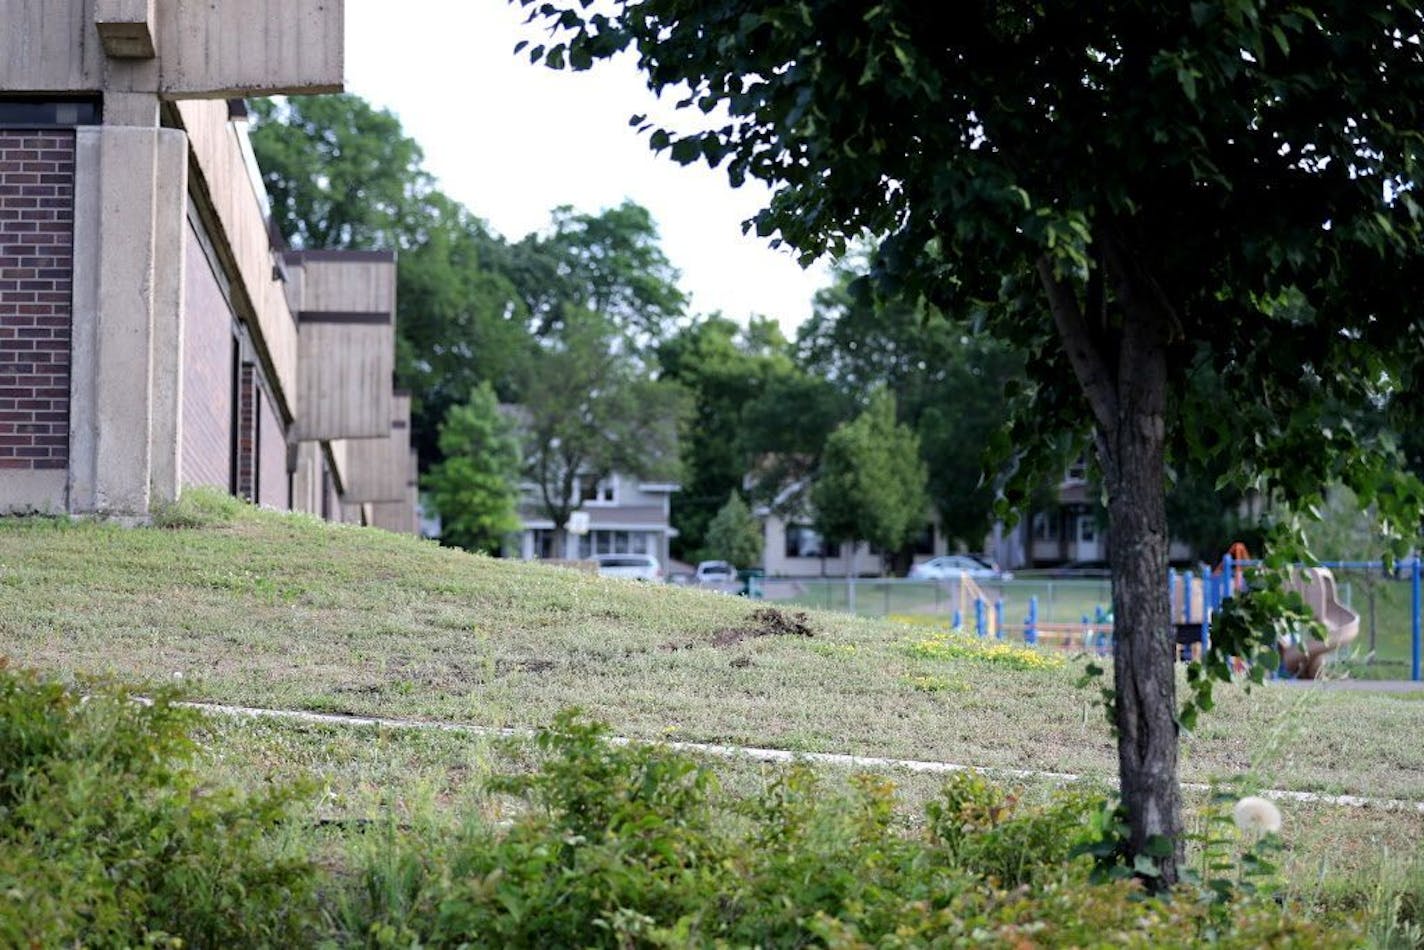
1257	814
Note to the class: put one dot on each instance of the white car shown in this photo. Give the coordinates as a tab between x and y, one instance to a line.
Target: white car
950	566
715	572
638	567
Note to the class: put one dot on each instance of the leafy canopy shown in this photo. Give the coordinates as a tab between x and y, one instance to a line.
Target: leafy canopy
475	486
735	534
871	486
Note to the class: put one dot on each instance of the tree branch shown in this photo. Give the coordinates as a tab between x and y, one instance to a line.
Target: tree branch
1088	363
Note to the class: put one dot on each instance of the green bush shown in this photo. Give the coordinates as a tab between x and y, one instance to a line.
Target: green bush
108	839
623	845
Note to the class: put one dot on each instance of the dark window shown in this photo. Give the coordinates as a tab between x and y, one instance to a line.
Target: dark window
39	113
924	541
804	541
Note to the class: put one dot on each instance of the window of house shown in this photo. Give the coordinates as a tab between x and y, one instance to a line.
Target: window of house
597	491
1045	526
1078	471
616	542
804	541
1087	528
544	544
924	541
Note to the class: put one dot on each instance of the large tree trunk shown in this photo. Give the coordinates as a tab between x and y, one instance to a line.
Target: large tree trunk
1143	657
1123	371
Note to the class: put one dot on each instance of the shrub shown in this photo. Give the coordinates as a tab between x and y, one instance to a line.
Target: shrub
107	838
625	845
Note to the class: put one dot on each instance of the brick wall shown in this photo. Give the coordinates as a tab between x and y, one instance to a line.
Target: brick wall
247	433
272	464
36	264
207	374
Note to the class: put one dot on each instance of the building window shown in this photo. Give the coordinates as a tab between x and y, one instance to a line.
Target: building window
1045	526
544	544
41	113
804	541
924	541
597	491
1087	529
1078	471
616	542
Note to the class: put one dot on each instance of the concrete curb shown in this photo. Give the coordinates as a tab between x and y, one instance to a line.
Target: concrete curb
779	756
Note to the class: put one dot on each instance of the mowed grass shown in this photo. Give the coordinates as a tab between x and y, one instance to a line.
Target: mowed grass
283	611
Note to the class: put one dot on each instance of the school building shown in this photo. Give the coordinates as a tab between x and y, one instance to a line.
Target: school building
155	333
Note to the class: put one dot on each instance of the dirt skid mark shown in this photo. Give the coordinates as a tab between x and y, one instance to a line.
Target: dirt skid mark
765	622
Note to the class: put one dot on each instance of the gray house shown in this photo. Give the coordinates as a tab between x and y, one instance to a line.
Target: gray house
616	515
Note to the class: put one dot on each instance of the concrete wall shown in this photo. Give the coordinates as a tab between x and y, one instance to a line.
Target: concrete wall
36	261
204	48
235	220
207	374
129	265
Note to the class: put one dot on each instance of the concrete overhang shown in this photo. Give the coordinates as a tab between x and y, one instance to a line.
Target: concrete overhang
345	304
204	49
379	470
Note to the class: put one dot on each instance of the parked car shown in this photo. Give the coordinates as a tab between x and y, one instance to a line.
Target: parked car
639	567
714	573
949	566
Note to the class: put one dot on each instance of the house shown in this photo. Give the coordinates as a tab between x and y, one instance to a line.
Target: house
153	334
619	514
792	547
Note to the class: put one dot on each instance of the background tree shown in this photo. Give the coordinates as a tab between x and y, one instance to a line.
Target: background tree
339	173
724	368
475	486
948	382
735	534
587	411
609	263
1131	193
871	486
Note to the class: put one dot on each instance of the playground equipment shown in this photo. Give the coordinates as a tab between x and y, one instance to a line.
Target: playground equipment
1303	658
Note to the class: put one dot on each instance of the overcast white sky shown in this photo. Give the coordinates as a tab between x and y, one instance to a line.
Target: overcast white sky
511	141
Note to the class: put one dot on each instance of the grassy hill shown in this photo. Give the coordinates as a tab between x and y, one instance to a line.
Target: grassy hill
241	606
251	607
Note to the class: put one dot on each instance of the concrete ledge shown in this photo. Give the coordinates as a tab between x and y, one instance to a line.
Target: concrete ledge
30	492
126	28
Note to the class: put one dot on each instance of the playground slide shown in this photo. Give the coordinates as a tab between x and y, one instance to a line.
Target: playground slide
1304	658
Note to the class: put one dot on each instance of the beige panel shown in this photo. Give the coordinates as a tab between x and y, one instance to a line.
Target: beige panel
250	47
379	469
353	286
345	384
218	154
49	46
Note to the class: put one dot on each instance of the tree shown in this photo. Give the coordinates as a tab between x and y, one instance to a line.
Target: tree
871	486
948	382
1132	192
735	535
587	412
724	368
609	263
340	174
475	486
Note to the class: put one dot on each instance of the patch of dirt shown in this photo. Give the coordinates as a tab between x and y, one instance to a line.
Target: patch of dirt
523	666
763	622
